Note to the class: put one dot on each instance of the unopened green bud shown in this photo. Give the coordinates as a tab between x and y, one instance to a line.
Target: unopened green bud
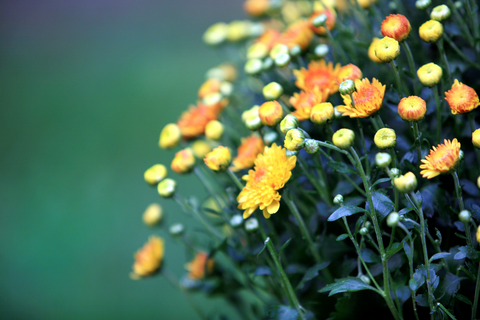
461	155
320	20
392	5
226	88
347	87
270	137
338	199
440	13
395	172
365	279
363	231
251	224
267	64
295	50
465	216
294	140
368	224
278	49
311	146
176	229
383	160
321	50
166	188
253	66
392	219
288	123
236	221
423	4
458	4
272	91
291	153
282	60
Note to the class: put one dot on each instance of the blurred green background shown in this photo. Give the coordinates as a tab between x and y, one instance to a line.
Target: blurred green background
86	87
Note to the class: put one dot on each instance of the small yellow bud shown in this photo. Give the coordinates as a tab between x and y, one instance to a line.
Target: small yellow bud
294	140
385	138
387	49
270	113
257	50
155	174
423	4
214	130
272	91
152	215
406	183
184	161
478	234
346	87
383	160
218	159
170	136
364	3
278	49
371	51
238	30
429	74
201	148
476	138
166	188
251	118
478	182
343	138
288	123
322	113
253	66
440	13
216	34
431	31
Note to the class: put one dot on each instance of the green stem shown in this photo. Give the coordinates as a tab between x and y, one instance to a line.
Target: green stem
458	190
411	64
416	135
397	78
287	286
444	59
210	189
364	146
446	311
324	180
476	298
337	47
235	179
461	23
439	111
313	181
378	233
306	235
460	53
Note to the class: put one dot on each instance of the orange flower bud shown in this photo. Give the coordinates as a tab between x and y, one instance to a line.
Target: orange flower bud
183	161
350	71
270	113
396	26
200	266
218	159
330	23
461	98
412	108
256	8
149	258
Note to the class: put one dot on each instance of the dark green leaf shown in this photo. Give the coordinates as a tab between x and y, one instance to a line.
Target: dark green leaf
382	204
467	251
439	255
396	246
369	256
345	211
462	298
418	280
408	251
312	273
285	245
461	236
341	167
342	237
262	271
283	313
346	285
379	181
405	211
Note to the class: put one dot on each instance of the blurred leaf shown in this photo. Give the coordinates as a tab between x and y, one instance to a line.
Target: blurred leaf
369	256
470	187
343	187
408	250
417	281
341	167
312	273
405	211
382	204
342	237
295	268
346	285
467	251
345	211
421	300
439	255
283	313
396	246
263	271
475	210
462	298
379	181
403	293
285	245
449	286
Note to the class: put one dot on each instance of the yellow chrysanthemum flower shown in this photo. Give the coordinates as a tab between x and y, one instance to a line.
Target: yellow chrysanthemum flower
272	170
441	159
461	98
367	99
319	75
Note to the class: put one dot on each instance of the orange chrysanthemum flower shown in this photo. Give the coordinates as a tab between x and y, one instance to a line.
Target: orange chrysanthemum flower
199	266
149	258
192	122
304	102
298	33
396	26
461	98
367	99
248	151
269	38
412	108
441	159
350	71
272	170
318	75
330	23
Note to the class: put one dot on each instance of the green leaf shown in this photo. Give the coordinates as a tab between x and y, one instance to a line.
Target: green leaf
439	255
405	211
345	211
264	246
467	251
312	273
342	237
283	313
382	204
341	167
396	246
346	285
379	181
462	298
439	236
369	256
285	245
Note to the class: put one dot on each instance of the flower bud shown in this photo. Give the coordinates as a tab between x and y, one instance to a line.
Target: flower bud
278	49
218	159
431	31
214	130
253	66
155	174
166	188
440	13
288	123
251	224
282	60
385	138
176	229
368	224
396	26
258	50
270	137
429	74
363	231
184	161
322	113
387	49
149	258
267	64
365	279
294	140
291	153
383	160
365	3
347	87
465	216
338	199
478	234
251	118
216	34
412	108
371	51
476	138
461	155
200	266
226	88
395	172
311	146
238	30
152	215
321	50
320	20
458	4
393	219
272	91
270	113
423	4
170	136
236	221
295	50
200	148
343	138
406	183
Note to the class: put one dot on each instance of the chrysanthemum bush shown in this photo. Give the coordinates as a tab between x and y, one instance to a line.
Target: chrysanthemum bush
339	151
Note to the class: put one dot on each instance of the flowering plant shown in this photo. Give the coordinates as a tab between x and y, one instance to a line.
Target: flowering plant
335	161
